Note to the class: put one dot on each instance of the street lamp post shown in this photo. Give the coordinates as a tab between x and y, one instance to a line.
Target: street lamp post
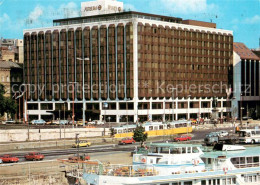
188	107
127	113
77	143
173	102
241	108
73	99
109	122
59	124
83	90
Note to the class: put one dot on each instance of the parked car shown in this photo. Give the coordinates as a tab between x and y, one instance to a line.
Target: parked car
76	158
96	122
182	138
9	122
34	156
222	133
64	122
193	121
80	122
81	144
7	158
38	122
126	141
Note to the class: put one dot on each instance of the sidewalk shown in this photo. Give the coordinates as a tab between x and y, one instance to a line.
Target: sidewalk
227	125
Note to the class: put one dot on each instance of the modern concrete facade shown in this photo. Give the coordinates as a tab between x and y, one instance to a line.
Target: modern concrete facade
246	81
126	64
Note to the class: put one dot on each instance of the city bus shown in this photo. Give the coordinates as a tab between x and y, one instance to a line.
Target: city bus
249	136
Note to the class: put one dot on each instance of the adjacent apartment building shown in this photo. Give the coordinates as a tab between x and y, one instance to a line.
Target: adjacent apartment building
11	50
114	64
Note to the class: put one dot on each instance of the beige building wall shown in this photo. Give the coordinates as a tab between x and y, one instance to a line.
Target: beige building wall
8	55
19	45
5	80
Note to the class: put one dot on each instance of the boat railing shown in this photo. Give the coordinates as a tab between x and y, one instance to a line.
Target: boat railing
248	165
120	170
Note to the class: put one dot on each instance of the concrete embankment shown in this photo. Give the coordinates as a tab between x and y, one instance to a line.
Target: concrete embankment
14	135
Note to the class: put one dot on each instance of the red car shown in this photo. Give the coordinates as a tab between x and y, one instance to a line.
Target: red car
7	158
182	138
34	156
126	141
81	157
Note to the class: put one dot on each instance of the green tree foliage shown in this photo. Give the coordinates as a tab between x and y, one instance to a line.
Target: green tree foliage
112	132
139	135
7	104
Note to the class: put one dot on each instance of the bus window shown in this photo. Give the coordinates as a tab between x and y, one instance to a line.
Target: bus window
156	127
242	134
150	127
161	127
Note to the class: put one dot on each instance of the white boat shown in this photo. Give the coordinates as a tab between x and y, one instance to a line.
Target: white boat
178	164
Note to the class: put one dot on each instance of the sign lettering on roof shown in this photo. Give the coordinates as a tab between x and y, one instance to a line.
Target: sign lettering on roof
101	7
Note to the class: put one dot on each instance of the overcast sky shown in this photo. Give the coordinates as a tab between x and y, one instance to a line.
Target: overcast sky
240	16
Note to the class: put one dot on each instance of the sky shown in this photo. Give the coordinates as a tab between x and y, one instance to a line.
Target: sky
240	16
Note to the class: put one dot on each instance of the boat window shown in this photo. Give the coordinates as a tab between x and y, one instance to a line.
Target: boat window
174	151
195	150
256	159
184	150
189	149
155	127
153	150
161	127
150	127
188	183
165	150
209	160
151	161
235	160
203	182
242	160
249	160
176	183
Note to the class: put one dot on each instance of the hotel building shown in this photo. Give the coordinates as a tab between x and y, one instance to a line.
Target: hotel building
116	64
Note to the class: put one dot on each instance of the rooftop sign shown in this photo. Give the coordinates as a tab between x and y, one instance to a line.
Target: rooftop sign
99	7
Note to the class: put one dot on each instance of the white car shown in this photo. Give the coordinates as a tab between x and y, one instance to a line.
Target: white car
96	122
38	122
223	133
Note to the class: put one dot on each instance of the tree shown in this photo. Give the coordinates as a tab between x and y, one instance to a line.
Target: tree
139	135
112	132
2	100
7	104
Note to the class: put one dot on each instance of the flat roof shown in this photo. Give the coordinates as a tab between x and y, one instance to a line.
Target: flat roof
249	151
113	15
173	145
